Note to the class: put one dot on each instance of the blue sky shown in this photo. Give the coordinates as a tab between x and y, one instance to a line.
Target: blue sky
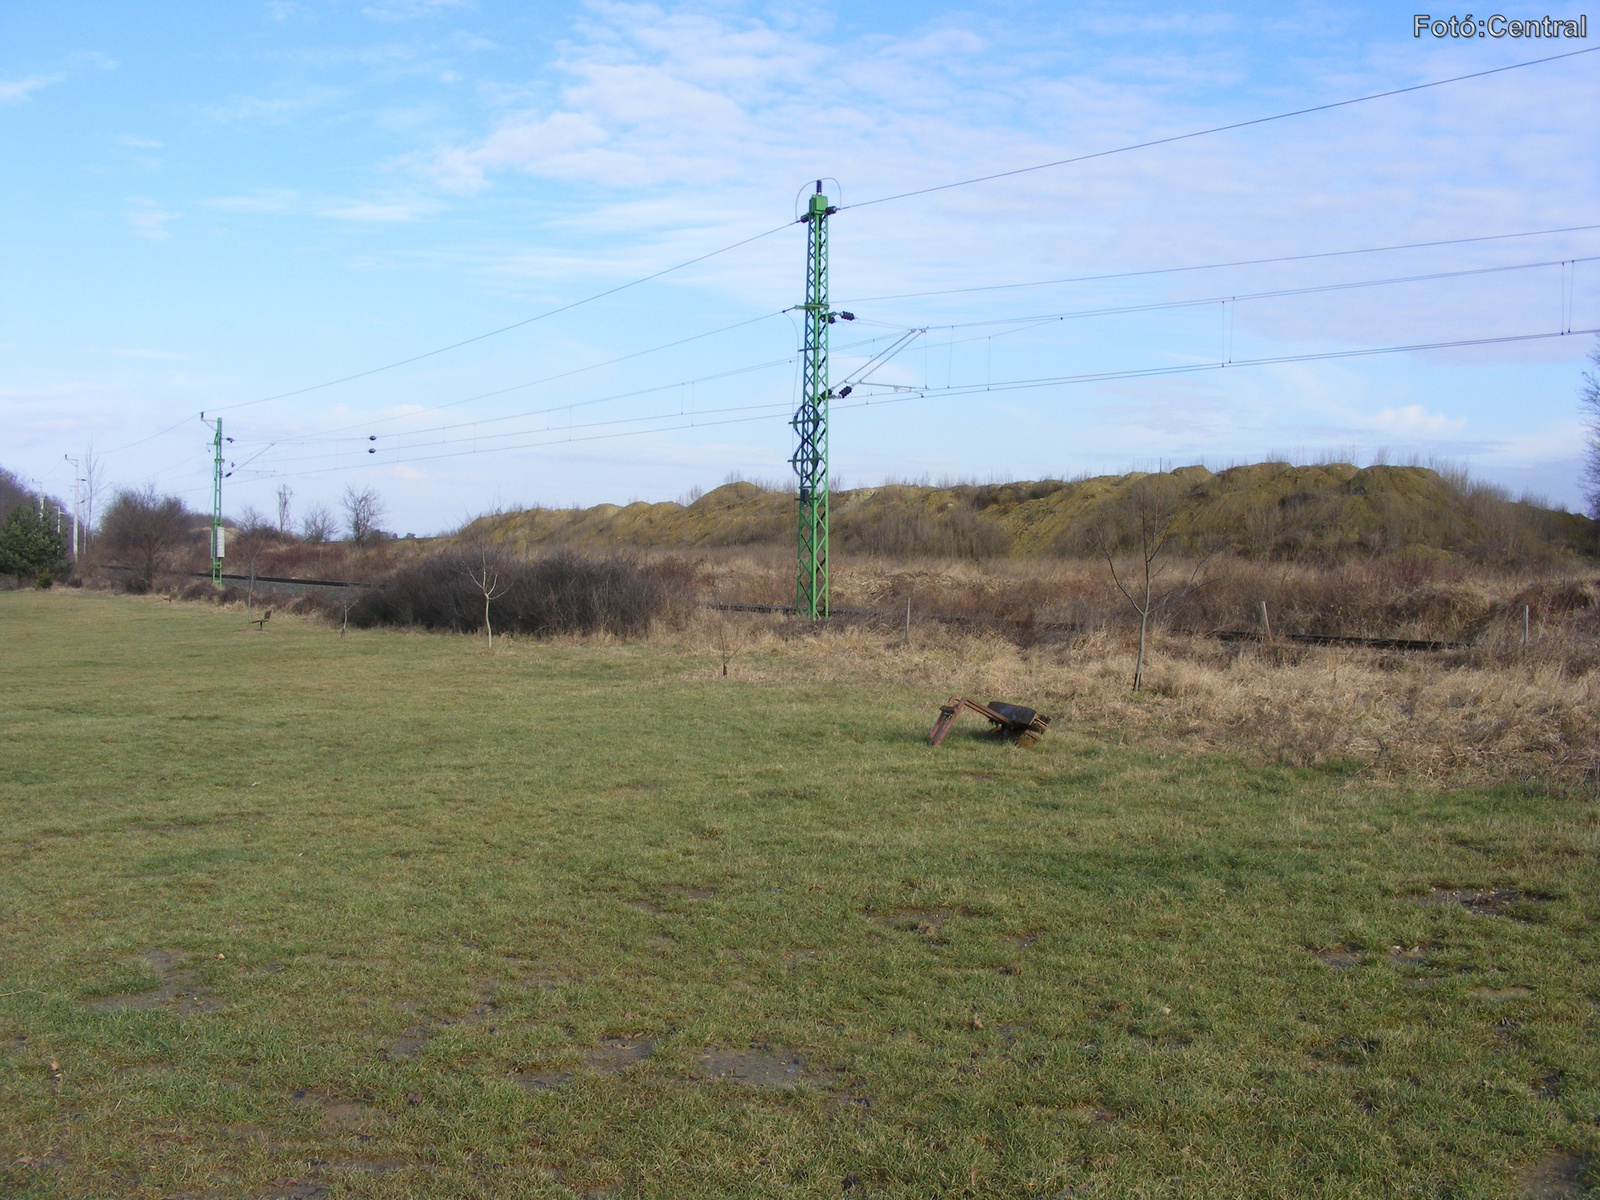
207	206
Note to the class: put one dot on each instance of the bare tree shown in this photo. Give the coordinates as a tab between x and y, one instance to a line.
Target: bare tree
285	494
145	528
1589	399
362	512
255	538
1142	522
94	484
317	525
485	577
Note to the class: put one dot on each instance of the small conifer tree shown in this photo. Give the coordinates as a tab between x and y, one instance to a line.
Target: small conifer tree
30	545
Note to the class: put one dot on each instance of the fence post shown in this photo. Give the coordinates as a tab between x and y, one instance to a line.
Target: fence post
1527	621
1266	624
908	620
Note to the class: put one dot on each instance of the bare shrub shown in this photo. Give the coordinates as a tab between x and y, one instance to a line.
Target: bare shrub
910	528
145	529
363	510
317	525
560	594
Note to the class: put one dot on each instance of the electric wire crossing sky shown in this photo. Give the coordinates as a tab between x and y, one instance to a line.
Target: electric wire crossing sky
317	453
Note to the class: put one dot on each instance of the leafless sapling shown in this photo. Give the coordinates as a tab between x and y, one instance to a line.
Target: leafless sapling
1143	522
485	576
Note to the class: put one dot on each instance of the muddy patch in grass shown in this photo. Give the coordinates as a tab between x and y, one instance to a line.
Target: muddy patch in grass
539	1081
1347	1052
1086	1114
338	1114
295	1189
616	1055
414	1040
693	893
177	993
408	1045
1500	995
611	1057
1339	960
767	1067
356	1166
656	907
1487	902
1555	1176
1399	956
929	922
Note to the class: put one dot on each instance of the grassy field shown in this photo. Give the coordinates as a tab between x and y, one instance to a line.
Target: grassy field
287	914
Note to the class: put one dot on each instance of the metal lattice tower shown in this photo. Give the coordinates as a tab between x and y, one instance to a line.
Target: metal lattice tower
810	422
216	507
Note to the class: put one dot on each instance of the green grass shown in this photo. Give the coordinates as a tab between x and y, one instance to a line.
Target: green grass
1008	973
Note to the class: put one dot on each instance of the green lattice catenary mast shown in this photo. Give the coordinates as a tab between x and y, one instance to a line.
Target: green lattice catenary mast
810	422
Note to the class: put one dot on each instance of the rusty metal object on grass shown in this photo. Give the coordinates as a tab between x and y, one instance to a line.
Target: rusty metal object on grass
1022	725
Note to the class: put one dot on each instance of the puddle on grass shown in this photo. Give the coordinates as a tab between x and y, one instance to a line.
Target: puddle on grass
770	1067
178	993
1555	1176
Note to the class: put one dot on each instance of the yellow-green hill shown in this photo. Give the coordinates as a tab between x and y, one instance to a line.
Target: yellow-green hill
1271	509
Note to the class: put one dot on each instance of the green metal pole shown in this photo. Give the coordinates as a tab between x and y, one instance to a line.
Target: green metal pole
810	422
216	508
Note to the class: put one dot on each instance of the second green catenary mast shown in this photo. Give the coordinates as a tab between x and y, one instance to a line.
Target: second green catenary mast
810	422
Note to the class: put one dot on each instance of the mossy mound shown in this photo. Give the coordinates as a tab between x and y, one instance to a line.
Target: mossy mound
1328	511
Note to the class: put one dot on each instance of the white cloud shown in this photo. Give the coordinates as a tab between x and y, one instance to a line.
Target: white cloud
275	110
147	219
1415	421
289	202
15	91
672	112
282	200
411	10
379	213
